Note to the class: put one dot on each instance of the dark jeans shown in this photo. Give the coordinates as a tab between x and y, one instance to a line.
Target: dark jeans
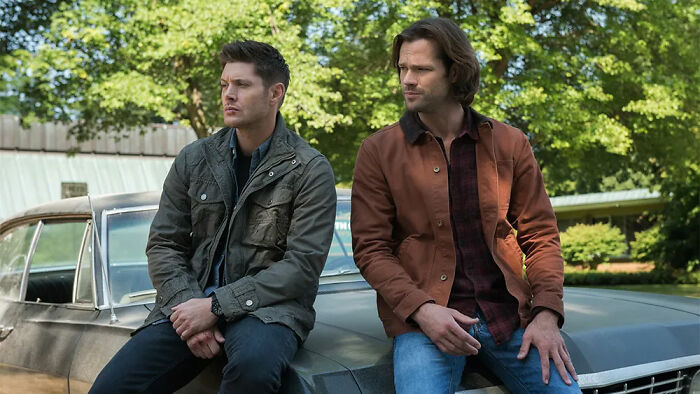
156	360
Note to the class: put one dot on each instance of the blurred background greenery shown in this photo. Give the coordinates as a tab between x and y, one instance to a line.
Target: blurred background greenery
606	90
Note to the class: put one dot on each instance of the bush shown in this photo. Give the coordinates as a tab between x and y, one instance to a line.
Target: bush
591	244
657	276
647	245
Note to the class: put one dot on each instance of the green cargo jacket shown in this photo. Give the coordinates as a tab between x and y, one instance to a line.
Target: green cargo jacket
278	233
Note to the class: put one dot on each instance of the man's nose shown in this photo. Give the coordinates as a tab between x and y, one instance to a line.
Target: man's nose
230	92
409	78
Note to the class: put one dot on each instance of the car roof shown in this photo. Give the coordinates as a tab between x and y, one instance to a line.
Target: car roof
80	206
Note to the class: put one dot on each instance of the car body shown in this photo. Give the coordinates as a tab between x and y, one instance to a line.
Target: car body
74	285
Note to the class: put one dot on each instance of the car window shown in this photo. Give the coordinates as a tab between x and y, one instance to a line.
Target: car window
340	254
83	293
14	248
52	269
127	234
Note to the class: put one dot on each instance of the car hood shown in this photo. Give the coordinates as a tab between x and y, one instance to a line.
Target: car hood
604	329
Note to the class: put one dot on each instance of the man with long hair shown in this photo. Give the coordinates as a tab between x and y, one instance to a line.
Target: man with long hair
437	200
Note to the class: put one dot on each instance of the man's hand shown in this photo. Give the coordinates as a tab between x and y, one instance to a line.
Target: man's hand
440	325
544	334
192	316
206	343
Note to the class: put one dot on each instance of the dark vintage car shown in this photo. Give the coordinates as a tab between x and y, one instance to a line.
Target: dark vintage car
74	284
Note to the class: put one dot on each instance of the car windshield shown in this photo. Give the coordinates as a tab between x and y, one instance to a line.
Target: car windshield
127	234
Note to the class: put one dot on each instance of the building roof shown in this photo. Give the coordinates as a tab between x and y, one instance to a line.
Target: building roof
162	140
32	178
626	198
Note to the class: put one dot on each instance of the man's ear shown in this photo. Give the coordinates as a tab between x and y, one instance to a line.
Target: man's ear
277	94
452	74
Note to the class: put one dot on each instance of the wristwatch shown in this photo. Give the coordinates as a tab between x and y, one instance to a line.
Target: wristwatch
215	307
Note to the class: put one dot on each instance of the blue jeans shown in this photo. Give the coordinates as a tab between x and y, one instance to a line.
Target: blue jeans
421	368
156	360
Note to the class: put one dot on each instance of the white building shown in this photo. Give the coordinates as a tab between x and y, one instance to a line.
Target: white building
35	167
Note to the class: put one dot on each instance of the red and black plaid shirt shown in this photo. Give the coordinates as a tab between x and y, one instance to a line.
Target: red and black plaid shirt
478	280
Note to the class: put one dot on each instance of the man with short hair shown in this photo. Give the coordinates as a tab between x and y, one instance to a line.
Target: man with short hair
435	201
238	244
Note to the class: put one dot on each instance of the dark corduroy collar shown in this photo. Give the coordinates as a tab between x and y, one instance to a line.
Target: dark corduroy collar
413	127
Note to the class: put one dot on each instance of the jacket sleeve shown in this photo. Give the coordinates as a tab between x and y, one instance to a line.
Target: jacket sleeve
169	241
308	241
373	217
532	215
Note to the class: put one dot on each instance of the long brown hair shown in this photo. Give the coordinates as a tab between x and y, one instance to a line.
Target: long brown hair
454	49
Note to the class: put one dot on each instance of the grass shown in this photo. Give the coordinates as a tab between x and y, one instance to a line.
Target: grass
680	290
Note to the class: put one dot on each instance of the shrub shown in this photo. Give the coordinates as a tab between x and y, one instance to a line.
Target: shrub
591	244
657	276
647	245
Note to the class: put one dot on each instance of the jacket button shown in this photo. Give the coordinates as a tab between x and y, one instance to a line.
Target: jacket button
436	170
271	173
267	318
249	302
203	196
294	161
439	223
443	277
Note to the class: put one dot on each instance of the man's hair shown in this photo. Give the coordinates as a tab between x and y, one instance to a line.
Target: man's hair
453	48
268	61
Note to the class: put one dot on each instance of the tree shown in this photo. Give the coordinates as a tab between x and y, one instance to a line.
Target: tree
606	90
114	65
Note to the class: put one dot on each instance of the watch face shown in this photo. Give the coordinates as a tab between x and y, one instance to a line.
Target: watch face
215	307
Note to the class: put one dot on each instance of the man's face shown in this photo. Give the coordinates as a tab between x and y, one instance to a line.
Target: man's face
423	76
246	101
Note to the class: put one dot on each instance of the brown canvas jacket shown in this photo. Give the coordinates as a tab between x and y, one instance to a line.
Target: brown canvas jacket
402	235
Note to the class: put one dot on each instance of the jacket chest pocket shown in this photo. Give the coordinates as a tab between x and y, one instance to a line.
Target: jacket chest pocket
207	208
268	218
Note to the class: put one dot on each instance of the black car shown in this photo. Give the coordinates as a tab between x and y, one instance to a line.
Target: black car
74	285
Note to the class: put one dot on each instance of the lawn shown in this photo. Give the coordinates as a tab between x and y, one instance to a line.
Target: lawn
680	290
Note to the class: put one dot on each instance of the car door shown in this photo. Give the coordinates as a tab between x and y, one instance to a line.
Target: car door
48	315
15	250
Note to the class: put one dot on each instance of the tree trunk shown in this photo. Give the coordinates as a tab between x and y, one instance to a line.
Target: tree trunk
195	111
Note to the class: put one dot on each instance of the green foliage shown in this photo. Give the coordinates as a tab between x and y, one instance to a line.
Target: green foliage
680	224
656	276
114	65
647	244
591	244
606	90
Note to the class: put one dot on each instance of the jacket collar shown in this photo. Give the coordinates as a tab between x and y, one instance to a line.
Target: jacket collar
219	157
277	143
413	128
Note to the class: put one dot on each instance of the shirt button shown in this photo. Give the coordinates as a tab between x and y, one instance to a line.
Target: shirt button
249	302
436	170
203	196
439	223
294	161
443	277
271	173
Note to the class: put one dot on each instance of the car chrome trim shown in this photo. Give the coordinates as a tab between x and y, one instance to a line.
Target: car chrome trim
28	263
93	225
103	251
613	376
